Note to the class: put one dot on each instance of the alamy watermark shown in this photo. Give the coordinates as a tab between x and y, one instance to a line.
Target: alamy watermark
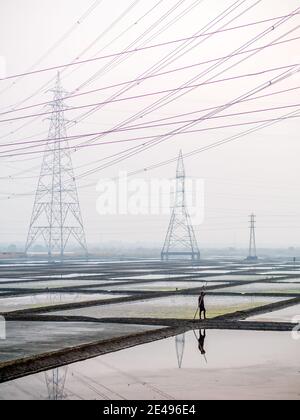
2	328
296	330
153	197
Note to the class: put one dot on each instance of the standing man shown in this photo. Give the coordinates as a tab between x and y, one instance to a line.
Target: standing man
201	305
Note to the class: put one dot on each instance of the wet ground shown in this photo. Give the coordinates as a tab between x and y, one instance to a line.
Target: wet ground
24	339
79	310
179	307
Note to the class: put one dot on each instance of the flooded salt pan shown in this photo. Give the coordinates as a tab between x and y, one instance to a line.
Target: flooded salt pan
152	277
8	304
24	339
263	287
238	277
290	314
180	307
163	286
51	284
283	272
175	369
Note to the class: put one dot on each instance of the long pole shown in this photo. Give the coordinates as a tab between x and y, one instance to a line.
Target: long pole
196	313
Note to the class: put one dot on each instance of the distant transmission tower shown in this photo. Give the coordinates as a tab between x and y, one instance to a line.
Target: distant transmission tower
55	381
56	216
180	239
252	244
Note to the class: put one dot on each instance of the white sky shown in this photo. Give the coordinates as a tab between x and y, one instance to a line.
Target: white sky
258	173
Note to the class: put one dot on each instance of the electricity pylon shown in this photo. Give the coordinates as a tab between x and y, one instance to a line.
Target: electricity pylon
252	244
56	216
180	239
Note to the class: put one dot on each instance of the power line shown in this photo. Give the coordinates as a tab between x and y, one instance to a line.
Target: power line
196	151
145	95
152	143
146	48
219	143
157	104
126	11
14	176
127	51
51	49
163	62
149	77
147	126
44	86
207	27
171	57
12	153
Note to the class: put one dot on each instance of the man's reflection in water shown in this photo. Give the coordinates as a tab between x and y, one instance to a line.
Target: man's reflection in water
201	341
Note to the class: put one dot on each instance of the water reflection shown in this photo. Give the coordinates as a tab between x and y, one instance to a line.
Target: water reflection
180	344
127	375
201	343
55	381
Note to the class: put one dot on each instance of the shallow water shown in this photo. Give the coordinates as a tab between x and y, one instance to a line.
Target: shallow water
70	276
151	277
211	272
290	314
25	339
293	280
52	284
8	279
283	272
237	277
164	286
263	287
8	304
238	365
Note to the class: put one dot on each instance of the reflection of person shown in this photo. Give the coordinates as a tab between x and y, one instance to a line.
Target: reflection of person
201	305
201	341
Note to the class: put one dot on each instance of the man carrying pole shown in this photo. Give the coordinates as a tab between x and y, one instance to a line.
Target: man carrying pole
201	305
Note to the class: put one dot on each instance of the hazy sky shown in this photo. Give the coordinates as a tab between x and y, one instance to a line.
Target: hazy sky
257	173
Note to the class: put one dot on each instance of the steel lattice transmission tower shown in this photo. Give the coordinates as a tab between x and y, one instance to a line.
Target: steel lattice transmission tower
180	239
252	244
56	216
